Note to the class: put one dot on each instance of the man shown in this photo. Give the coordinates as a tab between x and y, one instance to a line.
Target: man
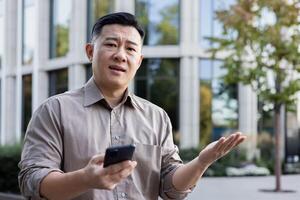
66	139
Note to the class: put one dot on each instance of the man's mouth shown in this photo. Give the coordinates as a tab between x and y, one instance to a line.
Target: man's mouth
117	68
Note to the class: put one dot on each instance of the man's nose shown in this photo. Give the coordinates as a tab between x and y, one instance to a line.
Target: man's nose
120	55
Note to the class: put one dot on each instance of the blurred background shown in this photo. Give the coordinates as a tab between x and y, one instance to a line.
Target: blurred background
42	53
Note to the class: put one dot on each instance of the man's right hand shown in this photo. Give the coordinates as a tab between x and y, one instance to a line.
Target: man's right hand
93	175
106	178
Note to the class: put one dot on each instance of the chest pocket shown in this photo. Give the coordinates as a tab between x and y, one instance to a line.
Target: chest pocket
146	176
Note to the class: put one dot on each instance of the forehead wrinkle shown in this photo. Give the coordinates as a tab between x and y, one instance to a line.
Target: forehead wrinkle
118	39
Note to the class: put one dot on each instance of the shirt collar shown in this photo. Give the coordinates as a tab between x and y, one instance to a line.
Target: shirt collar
92	95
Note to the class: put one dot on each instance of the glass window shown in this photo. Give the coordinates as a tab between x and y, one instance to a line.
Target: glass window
209	25
266	119
60	16
160	20
89	71
28	34
292	136
0	106
26	101
218	102
1	32
96	9
58	81
157	80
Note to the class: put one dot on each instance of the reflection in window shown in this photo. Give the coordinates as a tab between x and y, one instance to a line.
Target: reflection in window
58	81
28	35
26	101
209	25
1	32
266	119
157	80
218	102
160	20
292	136
60	15
96	9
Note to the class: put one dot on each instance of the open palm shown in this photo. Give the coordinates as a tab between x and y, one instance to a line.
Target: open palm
219	148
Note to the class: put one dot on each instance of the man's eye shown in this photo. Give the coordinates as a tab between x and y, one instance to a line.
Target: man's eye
130	49
110	45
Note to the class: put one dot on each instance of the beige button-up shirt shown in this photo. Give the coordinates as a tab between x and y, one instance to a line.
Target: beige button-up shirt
68	129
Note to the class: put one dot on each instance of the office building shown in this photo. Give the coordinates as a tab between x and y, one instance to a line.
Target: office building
42	54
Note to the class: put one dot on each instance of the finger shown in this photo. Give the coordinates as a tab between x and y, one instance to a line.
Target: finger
232	140
115	168
117	177
220	143
239	139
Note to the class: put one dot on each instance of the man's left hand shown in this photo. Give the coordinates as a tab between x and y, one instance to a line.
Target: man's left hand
219	148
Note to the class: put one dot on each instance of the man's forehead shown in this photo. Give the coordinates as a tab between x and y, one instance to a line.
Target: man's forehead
116	31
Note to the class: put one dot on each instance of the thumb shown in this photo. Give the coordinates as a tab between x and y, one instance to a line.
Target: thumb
97	159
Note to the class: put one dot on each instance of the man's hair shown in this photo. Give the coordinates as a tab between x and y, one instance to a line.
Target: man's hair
121	18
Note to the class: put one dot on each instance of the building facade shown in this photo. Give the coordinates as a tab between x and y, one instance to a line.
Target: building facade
42	53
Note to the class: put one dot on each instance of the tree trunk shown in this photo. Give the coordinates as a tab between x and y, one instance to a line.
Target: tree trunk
277	149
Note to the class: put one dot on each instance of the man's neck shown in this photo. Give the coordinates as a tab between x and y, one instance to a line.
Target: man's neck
113	101
112	96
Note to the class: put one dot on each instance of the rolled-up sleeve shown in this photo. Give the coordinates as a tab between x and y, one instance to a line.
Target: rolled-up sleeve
42	151
170	163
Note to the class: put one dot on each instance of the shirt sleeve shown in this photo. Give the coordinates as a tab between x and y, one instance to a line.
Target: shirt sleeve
42	151
170	163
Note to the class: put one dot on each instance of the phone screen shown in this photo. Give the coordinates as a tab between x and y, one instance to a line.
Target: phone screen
118	154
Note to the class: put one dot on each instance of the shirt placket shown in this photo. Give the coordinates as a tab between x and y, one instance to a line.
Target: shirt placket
117	139
115	129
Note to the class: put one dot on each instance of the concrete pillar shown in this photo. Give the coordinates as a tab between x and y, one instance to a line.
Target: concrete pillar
9	135
76	76
189	103
78	39
247	99
41	53
78	31
125	6
8	79
189	87
18	119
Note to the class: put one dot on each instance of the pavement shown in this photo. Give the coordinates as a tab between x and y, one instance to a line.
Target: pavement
235	188
246	188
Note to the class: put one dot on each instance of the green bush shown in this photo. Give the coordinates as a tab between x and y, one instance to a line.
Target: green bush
9	159
233	159
188	154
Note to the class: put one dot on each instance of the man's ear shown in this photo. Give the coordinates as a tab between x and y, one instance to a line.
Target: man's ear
89	50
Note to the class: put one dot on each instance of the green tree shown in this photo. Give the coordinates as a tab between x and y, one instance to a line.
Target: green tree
168	25
205	113
62	40
102	7
142	16
261	41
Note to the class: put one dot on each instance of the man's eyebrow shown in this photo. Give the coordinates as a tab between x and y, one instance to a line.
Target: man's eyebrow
116	39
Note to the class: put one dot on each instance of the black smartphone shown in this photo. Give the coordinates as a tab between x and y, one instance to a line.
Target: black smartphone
118	154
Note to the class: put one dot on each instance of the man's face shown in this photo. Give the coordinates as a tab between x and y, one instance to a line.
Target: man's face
116	56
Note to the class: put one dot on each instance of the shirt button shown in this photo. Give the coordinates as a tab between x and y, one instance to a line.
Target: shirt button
123	194
117	137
